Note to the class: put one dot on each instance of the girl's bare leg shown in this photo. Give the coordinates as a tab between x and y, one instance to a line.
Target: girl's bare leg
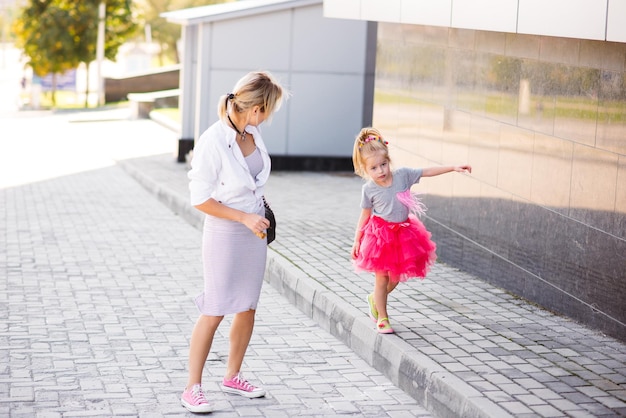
391	285
201	340
240	334
380	294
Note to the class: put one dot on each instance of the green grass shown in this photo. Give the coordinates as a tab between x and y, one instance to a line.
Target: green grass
502	104
63	100
172	113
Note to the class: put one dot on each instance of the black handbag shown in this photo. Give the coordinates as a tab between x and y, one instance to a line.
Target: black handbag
269	214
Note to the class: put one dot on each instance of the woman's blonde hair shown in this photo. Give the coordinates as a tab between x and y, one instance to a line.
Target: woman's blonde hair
368	142
254	89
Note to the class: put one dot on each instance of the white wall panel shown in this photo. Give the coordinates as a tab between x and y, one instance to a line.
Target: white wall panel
323	62
274	132
616	24
566	18
202	104
323	120
492	15
584	19
426	12
312	53
230	46
342	9
381	10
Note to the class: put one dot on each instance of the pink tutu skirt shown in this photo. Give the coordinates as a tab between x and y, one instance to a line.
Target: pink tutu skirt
403	250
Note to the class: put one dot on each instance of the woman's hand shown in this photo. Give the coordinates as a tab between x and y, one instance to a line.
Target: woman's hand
256	223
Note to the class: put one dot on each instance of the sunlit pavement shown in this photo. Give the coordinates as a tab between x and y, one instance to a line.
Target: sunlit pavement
99	275
97	280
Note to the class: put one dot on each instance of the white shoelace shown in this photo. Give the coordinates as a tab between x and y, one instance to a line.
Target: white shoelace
244	383
198	395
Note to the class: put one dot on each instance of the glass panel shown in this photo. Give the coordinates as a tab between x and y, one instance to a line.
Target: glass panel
545	132
576	103
537	95
552	172
612	112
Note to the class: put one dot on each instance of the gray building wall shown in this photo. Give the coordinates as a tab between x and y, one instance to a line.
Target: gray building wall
543	122
328	65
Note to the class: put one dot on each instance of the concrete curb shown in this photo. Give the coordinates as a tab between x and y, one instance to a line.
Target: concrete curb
438	390
176	203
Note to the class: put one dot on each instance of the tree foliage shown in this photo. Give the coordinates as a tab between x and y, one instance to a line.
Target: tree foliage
57	35
164	33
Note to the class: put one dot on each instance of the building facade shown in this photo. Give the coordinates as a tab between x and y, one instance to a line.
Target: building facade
332	86
533	95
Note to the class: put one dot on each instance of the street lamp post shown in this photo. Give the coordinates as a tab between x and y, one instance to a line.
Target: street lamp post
100	52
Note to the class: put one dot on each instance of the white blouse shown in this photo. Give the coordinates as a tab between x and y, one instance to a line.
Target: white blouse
219	170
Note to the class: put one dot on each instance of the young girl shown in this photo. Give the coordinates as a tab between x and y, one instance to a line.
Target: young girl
390	241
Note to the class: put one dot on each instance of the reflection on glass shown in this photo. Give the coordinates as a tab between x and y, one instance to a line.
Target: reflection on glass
547	141
612	112
434	87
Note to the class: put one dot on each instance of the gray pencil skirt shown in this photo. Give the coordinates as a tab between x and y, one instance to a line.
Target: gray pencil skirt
234	265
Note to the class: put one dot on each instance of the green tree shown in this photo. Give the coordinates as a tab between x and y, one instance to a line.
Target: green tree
164	33
58	35
7	15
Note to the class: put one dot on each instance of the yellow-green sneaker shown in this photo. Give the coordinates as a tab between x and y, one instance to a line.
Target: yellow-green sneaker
384	327
372	306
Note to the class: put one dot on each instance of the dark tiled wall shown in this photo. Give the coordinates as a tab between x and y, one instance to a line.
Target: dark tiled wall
543	122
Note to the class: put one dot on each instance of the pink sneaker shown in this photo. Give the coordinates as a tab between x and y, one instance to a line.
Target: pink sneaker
193	399
237	384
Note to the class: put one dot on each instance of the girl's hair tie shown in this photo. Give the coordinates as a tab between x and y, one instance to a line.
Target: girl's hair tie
231	96
371	138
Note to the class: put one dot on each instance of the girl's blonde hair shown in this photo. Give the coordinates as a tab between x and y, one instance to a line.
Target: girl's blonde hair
367	142
254	89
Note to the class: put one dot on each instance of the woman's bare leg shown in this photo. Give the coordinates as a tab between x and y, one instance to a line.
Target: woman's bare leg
240	334
201	341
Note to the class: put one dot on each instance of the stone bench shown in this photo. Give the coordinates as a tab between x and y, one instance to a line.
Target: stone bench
143	103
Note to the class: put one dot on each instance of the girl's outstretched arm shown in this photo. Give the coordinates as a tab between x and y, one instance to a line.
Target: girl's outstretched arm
435	171
365	214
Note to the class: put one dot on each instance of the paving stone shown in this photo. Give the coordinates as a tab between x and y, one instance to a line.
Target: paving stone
101	255
115	273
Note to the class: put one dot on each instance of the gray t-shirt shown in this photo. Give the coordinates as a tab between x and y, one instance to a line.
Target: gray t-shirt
383	200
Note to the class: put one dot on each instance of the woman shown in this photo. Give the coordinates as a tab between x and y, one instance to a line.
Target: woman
229	169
